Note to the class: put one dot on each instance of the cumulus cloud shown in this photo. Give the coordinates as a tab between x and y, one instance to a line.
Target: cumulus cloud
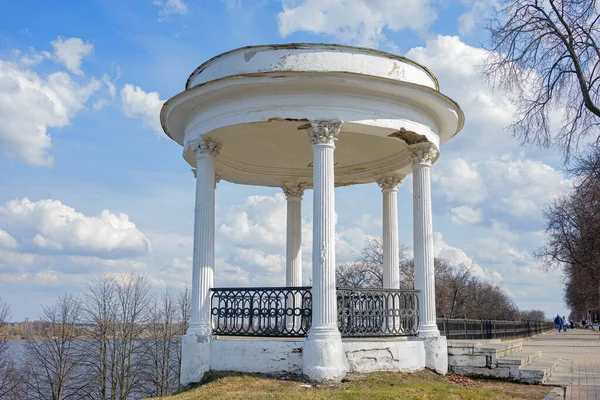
465	214
141	105
479	11
360	22
457	256
53	226
70	52
7	241
459	181
31	104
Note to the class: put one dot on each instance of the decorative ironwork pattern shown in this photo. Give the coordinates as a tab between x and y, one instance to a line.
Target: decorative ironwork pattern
463	328
377	312
276	311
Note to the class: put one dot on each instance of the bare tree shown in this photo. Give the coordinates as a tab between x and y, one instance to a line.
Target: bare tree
55	360
546	52
133	306
161	373
101	313
572	241
118	310
184	308
10	379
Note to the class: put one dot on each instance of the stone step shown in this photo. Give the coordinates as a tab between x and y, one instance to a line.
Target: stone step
539	371
521	359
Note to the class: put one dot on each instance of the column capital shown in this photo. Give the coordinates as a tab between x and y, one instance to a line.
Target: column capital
324	132
205	146
387	182
293	189
424	154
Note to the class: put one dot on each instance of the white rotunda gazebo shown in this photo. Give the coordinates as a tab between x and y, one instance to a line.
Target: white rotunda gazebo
313	116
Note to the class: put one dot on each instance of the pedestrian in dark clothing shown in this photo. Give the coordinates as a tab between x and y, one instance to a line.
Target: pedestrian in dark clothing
558	322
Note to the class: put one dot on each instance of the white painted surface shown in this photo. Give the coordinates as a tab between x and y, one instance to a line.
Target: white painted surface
423	239
401	356
256	355
324	358
204	237
312	57
195	357
389	189
436	353
288	356
293	271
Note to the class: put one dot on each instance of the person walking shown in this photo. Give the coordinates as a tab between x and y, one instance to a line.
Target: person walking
558	322
565	323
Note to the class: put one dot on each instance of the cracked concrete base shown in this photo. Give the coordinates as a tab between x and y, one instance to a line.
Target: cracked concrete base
436	354
403	356
195	358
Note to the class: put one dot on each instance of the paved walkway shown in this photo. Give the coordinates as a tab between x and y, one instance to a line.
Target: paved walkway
578	352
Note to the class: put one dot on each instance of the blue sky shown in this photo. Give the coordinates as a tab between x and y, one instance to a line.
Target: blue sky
89	185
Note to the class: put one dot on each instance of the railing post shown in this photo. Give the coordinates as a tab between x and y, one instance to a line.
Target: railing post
481	323
465	324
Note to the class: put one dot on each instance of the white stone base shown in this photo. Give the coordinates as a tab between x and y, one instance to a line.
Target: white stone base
195	358
383	355
265	356
436	353
274	356
324	358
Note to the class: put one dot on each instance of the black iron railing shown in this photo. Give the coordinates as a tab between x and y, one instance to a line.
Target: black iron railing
463	328
287	312
275	311
377	312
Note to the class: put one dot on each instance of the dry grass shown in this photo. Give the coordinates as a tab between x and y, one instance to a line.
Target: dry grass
421	385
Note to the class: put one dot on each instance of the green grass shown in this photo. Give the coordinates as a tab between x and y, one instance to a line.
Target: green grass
421	385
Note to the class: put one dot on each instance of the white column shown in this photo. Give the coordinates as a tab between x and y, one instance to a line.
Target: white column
422	158
391	263
293	271
324	357
204	237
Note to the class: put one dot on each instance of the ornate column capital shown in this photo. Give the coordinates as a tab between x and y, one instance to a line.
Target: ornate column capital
204	146
324	132
390	181
424	153
293	189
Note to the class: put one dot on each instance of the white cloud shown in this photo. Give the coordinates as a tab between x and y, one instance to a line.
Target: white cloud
479	11
456	256
168	7
360	22
7	241
51	225
524	186
465	214
30	104
70	52
142	105
459	181
488	112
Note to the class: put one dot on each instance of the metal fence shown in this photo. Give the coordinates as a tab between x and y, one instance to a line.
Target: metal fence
377	312
275	311
463	328
287	312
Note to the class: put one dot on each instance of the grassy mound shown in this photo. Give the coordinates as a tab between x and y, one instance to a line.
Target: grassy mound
421	385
